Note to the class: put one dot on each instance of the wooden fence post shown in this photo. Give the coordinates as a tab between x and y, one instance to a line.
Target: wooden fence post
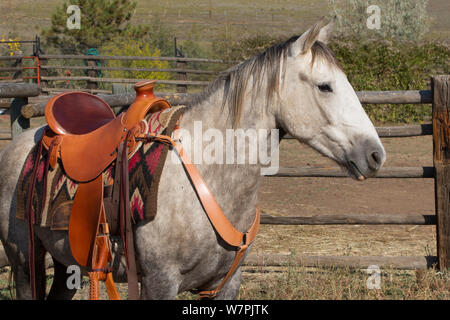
441	158
18	122
181	88
18	74
92	73
43	72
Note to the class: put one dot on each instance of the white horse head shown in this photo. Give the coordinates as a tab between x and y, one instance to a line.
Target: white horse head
318	106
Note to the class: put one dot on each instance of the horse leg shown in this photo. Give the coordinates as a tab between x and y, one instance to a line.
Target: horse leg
231	289
59	289
21	281
21	274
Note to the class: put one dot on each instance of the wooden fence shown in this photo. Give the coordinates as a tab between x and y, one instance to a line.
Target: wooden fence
438	96
43	68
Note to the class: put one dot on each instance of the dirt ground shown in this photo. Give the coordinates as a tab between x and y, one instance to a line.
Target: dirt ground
309	196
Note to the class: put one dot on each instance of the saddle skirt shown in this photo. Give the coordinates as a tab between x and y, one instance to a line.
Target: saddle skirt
52	203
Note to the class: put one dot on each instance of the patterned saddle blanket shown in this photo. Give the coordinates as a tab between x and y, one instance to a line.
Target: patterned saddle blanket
54	194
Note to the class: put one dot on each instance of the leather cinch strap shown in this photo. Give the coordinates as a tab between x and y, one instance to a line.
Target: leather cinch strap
30	218
125	222
217	217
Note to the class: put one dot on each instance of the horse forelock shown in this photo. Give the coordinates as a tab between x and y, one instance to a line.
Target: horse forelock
263	71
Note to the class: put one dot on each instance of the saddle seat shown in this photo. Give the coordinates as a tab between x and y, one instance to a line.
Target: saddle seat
77	113
86	133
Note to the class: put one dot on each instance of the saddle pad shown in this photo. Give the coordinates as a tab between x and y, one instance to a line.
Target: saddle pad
52	204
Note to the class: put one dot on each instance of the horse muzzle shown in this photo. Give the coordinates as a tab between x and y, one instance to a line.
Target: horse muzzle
366	159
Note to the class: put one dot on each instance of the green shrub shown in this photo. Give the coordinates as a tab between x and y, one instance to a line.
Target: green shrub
135	48
392	65
232	49
160	35
370	65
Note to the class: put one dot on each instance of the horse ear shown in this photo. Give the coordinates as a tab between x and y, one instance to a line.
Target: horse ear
325	32
319	31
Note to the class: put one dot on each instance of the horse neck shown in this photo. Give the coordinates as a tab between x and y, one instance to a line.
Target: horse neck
215	114
234	185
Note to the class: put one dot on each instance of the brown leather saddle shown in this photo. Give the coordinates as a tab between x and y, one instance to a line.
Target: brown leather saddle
86	136
86	132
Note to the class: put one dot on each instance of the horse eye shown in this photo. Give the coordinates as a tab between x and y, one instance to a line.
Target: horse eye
325	87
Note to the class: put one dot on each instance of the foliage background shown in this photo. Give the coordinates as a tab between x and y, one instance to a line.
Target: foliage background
135	48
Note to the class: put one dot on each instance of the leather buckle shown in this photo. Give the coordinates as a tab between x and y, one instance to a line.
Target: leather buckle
207	294
244	240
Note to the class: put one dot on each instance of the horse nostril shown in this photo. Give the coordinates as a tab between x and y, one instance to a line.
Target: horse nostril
376	157
375	160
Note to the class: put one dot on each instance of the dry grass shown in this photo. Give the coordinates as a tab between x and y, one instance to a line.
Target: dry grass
352	240
294	283
301	283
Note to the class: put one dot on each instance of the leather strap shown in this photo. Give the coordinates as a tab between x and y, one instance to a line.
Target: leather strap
101	256
125	221
217	217
113	294
219	221
249	237
93	285
215	214
30	221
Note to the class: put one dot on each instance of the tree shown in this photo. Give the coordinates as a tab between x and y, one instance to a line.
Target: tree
100	21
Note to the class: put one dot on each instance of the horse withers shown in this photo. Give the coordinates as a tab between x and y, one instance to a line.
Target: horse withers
296	87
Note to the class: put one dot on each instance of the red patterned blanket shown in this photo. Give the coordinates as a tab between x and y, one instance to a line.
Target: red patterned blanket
52	203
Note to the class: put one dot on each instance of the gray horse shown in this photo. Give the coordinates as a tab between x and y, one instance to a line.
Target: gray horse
296	87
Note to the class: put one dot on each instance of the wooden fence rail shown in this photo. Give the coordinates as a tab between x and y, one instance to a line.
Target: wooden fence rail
395	97
352	218
122	80
138	58
284	260
333	172
141	58
92	70
398	131
114	100
96	68
410	97
19	90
